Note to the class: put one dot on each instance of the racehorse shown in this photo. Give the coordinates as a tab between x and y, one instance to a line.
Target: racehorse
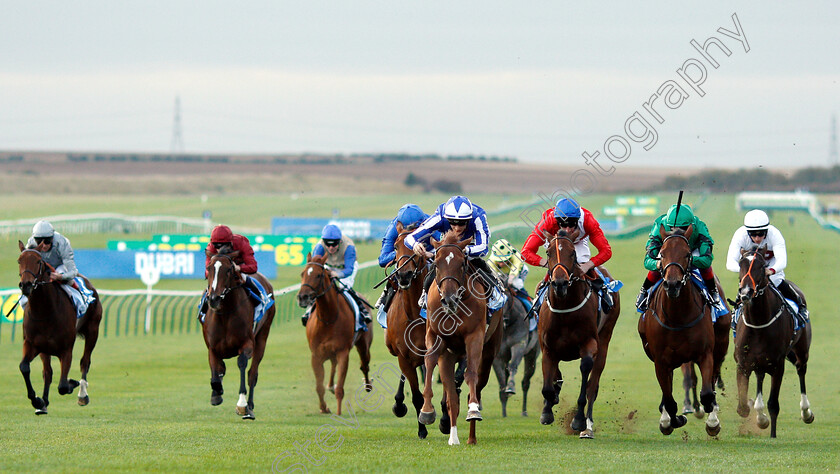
229	329
517	344
457	326
764	337
406	333
331	330
570	328
50	328
677	328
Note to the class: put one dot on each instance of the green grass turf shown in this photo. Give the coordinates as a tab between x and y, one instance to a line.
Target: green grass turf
150	401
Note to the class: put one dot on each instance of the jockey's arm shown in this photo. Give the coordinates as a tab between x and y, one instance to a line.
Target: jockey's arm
246	253
530	248
597	238
387	254
349	262
733	255
481	237
777	245
68	260
704	246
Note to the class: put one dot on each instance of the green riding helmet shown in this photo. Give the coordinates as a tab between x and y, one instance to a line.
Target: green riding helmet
684	219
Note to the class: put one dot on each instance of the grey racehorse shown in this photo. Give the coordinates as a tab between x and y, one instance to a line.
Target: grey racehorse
517	344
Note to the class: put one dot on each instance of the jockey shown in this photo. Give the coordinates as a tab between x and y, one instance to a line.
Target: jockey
506	262
56	250
757	231
462	216
701	244
342	265
224	241
567	215
410	216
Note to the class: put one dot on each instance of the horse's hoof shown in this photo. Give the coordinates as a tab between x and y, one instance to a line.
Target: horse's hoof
83	401
524	413
445	426
426	418
578	424
41	411
474	415
699	414
547	418
679	421
215	400
713	430
422	432
666	431
743	412
399	410
763	421
331	388
241	411
587	434
249	414
325	411
808	419
38	403
688	409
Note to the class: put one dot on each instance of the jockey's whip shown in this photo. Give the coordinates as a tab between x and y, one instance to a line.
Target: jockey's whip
679	203
390	274
13	309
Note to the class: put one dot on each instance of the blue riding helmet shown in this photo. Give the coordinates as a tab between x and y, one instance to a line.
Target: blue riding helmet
567	208
458	207
331	232
410	214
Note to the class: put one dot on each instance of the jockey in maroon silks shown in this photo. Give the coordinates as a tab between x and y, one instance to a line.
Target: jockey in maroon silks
224	241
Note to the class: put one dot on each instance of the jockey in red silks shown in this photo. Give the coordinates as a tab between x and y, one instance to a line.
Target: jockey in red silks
567	215
224	241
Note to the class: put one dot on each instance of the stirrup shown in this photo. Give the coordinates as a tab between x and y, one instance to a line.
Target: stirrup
422	301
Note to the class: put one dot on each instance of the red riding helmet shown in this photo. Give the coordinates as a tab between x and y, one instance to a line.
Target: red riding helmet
221	234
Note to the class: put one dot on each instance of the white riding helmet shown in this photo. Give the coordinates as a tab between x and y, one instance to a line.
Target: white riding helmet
756	220
43	229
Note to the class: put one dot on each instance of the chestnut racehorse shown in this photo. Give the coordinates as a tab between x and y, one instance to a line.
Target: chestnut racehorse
457	327
764	337
229	331
570	328
50	328
677	328
331	330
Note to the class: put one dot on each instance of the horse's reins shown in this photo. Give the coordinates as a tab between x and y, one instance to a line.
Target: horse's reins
782	306
442	280
570	276
414	274
322	282
682	283
676	264
228	289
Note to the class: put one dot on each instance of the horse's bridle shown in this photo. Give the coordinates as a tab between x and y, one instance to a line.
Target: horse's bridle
42	265
571	276
417	269
322	285
758	291
442	280
682	269
228	289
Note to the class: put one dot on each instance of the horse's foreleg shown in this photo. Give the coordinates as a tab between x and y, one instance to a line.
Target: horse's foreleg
242	403
707	393
517	352
29	353
530	369
65	385
434	345
91	333
318	370
722	327
550	372
446	364
804	405
399	409
687	385
742	378
473	343
668	406
343	359
254	371
48	375
331	386
773	400
587	361
761	418
501	375
363	347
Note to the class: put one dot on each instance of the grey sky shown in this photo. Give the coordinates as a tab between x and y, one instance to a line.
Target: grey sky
542	80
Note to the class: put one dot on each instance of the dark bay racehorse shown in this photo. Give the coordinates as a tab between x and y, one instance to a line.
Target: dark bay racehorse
517	345
406	333
457	327
229	330
764	337
50	328
331	330
570	329
677	328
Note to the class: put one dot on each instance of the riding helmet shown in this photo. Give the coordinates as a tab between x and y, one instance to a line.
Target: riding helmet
684	219
221	234
43	229
457	207
756	220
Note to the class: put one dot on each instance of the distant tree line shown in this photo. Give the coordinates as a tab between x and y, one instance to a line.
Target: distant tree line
442	185
826	180
383	157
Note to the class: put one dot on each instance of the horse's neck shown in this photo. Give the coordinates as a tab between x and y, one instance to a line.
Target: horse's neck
331	298
47	301
233	301
763	308
410	298
689	297
577	292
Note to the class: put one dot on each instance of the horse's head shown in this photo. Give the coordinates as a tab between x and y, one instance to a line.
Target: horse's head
33	270
675	259
409	265
314	280
753	278
222	277
451	269
562	261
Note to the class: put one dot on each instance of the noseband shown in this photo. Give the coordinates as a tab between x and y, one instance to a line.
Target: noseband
42	265
464	268
414	274
322	286
228	289
682	269
758	291
571	277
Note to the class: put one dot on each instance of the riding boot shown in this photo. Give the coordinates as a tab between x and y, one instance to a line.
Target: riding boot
711	287
642	299
788	292
202	307
305	318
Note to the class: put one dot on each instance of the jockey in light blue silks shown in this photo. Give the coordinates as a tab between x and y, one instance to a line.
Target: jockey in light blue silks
459	215
56	250
410	216
341	263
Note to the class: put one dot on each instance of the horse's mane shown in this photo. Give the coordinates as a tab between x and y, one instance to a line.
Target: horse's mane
450	238
678	231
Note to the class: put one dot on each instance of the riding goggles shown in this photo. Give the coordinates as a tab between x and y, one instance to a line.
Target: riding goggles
457	222
43	240
218	245
757	233
567	221
331	242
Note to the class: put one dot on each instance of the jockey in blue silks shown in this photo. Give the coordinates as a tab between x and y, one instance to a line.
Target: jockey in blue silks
410	216
462	216
341	263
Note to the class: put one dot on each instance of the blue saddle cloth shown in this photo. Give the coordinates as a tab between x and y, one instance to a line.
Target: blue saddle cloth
266	301
357	315
718	308
798	323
